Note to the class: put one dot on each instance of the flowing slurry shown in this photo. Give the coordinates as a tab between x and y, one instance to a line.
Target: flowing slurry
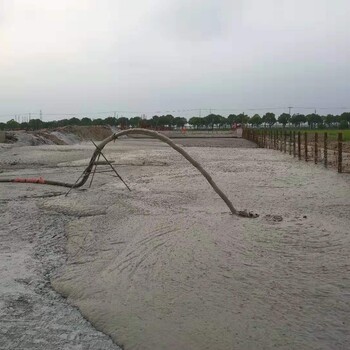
166	266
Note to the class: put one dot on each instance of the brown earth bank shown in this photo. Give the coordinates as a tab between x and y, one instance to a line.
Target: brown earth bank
60	136
166	266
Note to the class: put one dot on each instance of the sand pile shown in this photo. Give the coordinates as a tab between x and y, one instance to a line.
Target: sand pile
86	133
68	135
166	267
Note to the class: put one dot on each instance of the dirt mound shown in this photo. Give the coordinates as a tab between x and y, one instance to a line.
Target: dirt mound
67	135
48	136
32	138
84	133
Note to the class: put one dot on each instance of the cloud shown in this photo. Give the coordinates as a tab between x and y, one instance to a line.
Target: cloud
197	20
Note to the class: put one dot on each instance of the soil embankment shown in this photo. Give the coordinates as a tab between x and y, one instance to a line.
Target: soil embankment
67	135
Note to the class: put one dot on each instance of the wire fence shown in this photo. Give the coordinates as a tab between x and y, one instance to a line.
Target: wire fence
316	147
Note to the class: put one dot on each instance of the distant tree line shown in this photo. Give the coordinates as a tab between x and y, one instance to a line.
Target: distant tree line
210	121
313	120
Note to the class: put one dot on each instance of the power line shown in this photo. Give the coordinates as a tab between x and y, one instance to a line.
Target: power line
199	111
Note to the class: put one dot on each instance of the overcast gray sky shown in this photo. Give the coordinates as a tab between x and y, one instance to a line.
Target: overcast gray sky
75	56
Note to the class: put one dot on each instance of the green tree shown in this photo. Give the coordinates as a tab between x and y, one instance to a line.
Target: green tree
222	121
343	124
232	118
345	116
155	121
97	121
123	122
196	122
180	122
25	125
330	119
85	121
169	120
211	120
112	121
242	118
35	124
74	121
284	119
135	122
314	119
269	118
166	120
297	119
12	125
256	120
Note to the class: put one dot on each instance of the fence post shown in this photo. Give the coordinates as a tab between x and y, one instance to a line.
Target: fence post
305	139
285	141
340	152
299	145
316	147
281	142
274	139
325	149
290	142
271	139
294	145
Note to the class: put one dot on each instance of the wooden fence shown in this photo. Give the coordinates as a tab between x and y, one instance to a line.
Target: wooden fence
314	147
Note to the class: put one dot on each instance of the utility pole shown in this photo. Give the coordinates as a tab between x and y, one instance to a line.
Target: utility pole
290	110
41	115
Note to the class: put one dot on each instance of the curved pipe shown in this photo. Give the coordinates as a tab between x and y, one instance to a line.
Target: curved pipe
151	133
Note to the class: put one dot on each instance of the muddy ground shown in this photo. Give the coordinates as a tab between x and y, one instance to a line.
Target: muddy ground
166	266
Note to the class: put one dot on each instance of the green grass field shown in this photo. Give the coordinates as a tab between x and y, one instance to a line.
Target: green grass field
332	134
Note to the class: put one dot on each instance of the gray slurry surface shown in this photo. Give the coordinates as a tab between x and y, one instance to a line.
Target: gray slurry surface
166	266
32	245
